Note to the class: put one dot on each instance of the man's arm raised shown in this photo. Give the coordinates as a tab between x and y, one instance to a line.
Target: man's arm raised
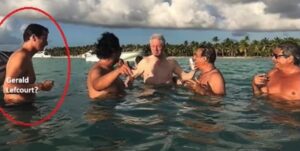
183	75
136	72
101	82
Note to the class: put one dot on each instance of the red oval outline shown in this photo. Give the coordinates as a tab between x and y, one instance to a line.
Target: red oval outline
67	83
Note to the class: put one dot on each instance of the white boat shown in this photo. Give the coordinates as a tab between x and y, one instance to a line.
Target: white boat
41	54
127	56
89	57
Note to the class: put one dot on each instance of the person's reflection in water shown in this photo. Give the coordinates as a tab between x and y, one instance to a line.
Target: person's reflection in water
101	111
278	111
27	113
156	90
287	106
209	100
286	112
22	113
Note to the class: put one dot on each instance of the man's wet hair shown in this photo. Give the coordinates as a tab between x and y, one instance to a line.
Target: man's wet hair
34	29
209	53
107	45
291	49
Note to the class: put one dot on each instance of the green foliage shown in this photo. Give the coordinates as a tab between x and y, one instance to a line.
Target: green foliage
227	47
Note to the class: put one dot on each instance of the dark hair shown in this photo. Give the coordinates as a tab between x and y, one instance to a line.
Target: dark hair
291	49
34	29
107	45
138	59
209	53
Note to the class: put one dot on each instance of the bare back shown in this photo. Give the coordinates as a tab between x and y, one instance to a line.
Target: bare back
115	89
214	80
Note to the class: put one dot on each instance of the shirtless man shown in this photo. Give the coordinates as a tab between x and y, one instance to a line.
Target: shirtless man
103	79
283	81
157	69
210	81
19	85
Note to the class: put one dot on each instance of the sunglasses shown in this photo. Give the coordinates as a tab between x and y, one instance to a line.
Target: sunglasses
277	56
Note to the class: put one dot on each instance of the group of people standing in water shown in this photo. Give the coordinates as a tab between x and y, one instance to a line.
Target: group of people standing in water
103	79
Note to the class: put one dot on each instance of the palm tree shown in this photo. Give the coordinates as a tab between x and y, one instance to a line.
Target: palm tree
228	45
216	44
243	46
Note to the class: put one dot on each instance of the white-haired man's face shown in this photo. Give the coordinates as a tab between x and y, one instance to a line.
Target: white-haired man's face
156	47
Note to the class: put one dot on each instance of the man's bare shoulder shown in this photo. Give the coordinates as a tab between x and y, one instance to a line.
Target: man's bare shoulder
18	54
95	69
17	60
215	75
146	60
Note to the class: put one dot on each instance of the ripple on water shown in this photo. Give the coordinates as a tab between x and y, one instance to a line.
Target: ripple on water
162	118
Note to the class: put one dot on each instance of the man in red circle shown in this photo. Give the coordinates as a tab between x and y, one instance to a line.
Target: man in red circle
19	85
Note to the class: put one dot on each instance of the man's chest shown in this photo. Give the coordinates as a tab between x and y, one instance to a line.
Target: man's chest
158	68
287	85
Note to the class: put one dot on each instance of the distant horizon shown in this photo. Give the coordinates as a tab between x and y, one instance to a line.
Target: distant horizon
135	21
176	43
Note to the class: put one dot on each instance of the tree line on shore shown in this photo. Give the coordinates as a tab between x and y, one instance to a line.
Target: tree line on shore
227	47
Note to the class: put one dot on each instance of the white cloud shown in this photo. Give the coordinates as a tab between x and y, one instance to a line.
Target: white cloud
252	16
5	37
181	14
246	15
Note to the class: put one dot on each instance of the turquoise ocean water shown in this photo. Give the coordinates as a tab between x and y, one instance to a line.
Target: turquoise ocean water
169	119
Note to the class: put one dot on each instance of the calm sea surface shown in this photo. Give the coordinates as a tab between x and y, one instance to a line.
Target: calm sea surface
165	119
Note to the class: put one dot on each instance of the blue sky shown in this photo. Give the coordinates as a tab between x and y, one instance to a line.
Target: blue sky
133	21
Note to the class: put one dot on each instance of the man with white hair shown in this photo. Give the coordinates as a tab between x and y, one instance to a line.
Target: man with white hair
157	69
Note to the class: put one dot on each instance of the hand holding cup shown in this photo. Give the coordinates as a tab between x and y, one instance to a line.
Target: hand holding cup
260	79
